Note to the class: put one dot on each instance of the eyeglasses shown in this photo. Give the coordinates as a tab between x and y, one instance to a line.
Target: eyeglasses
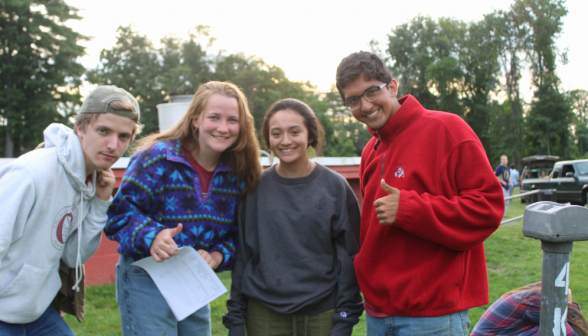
371	94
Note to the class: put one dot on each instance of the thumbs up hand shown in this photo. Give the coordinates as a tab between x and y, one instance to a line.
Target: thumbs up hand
164	246
386	207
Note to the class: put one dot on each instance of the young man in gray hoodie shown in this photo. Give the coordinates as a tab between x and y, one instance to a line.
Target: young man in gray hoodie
54	203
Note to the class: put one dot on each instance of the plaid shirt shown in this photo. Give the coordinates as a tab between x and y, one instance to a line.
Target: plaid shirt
516	314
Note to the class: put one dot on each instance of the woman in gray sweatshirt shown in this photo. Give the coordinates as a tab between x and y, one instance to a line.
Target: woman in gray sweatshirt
298	235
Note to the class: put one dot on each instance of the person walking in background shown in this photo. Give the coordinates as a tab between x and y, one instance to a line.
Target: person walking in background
299	233
502	172
196	171
54	203
430	199
515	180
518	313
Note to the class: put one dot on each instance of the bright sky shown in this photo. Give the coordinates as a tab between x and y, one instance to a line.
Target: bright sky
306	38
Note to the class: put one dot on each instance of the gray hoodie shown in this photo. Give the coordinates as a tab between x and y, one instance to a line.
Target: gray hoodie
45	205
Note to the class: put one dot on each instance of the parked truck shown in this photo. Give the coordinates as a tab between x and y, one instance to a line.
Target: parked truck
568	178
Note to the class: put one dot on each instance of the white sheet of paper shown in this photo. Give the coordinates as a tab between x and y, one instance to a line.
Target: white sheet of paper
186	281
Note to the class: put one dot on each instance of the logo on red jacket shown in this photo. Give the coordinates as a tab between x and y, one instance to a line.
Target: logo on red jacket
63	225
399	172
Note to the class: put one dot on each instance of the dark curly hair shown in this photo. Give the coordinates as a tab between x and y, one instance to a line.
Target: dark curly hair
361	63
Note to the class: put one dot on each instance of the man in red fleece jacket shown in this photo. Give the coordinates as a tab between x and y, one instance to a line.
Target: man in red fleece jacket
430	199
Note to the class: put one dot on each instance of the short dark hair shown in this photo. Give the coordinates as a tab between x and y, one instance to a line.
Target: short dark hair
361	63
512	166
313	125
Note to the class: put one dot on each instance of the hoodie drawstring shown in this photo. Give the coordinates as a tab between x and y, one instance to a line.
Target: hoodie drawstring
79	275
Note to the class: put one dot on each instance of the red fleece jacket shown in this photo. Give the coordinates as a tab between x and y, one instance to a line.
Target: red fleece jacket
431	262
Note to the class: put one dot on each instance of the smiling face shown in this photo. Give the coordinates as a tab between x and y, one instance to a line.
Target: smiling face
218	125
105	140
288	137
376	113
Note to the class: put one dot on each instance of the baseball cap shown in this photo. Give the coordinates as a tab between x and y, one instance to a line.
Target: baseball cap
98	102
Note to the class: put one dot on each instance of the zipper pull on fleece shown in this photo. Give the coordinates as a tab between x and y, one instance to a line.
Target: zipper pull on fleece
379	140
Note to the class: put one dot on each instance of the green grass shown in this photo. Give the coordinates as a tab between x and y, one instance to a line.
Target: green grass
512	260
101	313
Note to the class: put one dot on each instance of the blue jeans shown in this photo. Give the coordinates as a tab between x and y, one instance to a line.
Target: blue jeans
510	191
506	203
144	311
49	324
455	324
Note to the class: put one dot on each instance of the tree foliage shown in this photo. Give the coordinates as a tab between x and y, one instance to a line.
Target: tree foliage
512	38
474	70
133	64
578	101
550	115
39	72
180	66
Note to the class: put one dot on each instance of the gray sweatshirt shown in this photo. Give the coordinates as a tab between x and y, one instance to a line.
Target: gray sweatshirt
297	241
48	214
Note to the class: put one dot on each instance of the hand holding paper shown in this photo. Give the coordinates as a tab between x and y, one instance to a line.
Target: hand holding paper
186	281
213	259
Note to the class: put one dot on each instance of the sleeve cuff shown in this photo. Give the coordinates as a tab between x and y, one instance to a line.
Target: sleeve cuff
96	218
341	328
238	330
98	209
143	240
227	258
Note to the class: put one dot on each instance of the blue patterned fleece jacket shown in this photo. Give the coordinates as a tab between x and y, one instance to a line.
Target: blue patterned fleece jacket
161	189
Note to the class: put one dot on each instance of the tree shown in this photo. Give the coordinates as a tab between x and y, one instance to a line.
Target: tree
500	128
578	100
349	136
411	55
39	72
512	38
479	58
425	57
186	64
550	115
133	64
446	72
